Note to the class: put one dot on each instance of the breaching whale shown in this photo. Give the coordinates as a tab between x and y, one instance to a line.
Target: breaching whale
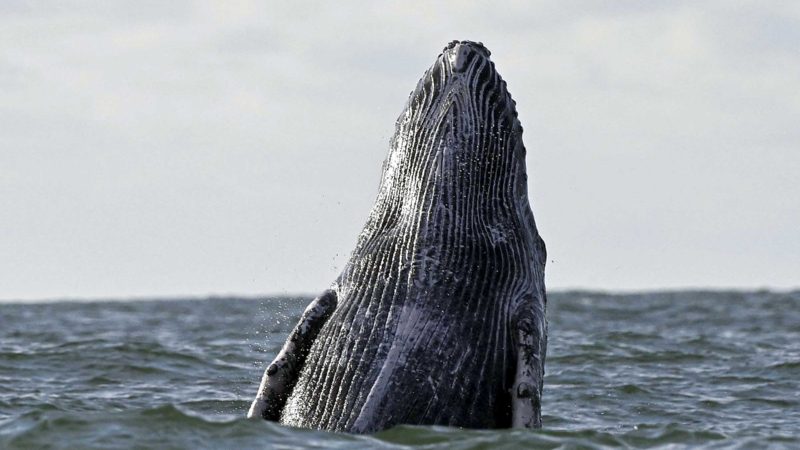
438	317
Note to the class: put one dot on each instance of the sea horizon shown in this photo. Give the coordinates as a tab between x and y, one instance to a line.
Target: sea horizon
310	296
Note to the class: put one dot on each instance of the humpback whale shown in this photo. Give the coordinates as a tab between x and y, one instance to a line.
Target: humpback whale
438	317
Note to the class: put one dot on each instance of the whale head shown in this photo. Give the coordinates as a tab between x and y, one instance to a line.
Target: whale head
458	131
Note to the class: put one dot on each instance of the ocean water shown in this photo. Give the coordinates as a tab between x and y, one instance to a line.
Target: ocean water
687	369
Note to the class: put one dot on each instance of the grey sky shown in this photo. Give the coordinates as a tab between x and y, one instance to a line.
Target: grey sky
168	148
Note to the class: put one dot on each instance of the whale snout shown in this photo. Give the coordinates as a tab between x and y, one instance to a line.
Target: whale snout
462	53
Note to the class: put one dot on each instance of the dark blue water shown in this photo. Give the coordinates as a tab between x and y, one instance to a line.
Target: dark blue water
677	370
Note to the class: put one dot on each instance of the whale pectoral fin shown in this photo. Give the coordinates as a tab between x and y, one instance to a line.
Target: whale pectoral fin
281	375
531	341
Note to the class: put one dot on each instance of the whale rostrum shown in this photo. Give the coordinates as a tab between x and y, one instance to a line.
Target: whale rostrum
438	317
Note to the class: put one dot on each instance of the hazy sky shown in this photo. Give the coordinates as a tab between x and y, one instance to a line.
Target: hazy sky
170	148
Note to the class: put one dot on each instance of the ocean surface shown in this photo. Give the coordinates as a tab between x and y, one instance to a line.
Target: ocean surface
687	369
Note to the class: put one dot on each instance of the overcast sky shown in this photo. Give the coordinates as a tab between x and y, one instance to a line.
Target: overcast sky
153	148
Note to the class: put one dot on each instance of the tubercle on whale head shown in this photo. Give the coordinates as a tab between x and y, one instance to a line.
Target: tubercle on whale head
461	52
477	45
